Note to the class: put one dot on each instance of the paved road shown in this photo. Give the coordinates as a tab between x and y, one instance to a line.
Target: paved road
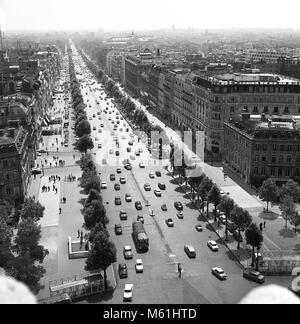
160	282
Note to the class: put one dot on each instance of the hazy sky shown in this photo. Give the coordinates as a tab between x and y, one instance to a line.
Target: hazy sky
147	14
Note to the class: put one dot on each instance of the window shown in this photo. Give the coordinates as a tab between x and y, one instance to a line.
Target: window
273	172
281	158
263	171
273	159
256	158
266	110
287	172
286	110
256	171
289	159
264	159
255	110
280	172
275	147
231	109
297	173
290	148
257	147
276	110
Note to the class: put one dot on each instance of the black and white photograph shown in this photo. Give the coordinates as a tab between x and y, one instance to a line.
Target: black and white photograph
149	155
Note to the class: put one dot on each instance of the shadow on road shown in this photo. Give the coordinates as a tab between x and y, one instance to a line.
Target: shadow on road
287	233
270	216
241	254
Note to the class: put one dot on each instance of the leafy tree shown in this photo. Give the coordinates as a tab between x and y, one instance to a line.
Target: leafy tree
102	255
90	182
291	189
6	234
204	189
83	128
226	206
85	143
27	240
87	163
242	219
214	197
287	208
95	213
254	237
268	192
99	227
93	195
23	269
32	209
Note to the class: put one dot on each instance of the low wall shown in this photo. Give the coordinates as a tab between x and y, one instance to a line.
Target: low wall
79	254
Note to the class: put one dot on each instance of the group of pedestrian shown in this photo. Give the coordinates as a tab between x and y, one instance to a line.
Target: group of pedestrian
54	179
262	226
82	238
70	178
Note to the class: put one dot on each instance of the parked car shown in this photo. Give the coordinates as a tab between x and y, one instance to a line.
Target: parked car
170	222
213	246
128	198
158	174
127	252
157	193
162	186
139	267
147	187
138	205
140	219
117	187
103	185
118	201
128	293
35	171
180	215
122	180
123	215
164	208
199	228
178	205
254	276
151	175
112	177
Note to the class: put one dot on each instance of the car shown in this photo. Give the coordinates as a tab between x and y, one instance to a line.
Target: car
111	151
139	268
164	208
180	215
157	193
199	228
94	128
151	175
96	139
213	246
123	215
140	219
138	205
118	229
117	187
128	149
42	151
118	201
94	116
128	198
122	180
254	276
128	293
127	252
222	193
222	218
123	272
104	161
35	171
100	131
102	125
162	186
130	143
142	165
128	167
147	187
112	177
190	251
219	273
170	222
117	153
158	174
103	185
137	153
90	118
39	154
99	118
178	205
99	146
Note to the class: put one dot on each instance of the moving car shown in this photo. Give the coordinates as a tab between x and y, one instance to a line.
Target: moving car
199	228
35	171
103	185
122	180
99	146
118	201
112	177
254	276
123	272
128	198
128	293
157	193
158	174
118	229
128	167
127	252
123	215
140	219
162	186
119	171
219	273
178	205
139	268
151	175
180	215
190	251
213	246
138	205
170	222
147	187
164	208
142	165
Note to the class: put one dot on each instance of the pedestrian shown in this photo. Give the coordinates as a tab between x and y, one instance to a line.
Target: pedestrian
49	179
78	233
81	234
59	211
53	187
48	189
56	190
81	243
179	270
264	224
50	165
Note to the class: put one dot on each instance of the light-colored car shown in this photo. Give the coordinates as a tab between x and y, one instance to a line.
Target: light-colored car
139	268
127	252
103	185
180	215
151	175
128	292
213	246
190	251
219	273
157	193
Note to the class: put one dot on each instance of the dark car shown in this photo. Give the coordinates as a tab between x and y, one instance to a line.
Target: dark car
123	272
162	186
158	174
112	177
129	149
118	229
140	219
170	222
147	187
128	167
254	276
118	201
138	205
164	208
117	187
178	205
119	171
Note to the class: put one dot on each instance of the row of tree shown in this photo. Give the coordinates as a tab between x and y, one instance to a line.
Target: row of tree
103	252
82	125
20	254
287	196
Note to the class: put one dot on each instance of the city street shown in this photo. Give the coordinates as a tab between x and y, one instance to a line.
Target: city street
160	279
